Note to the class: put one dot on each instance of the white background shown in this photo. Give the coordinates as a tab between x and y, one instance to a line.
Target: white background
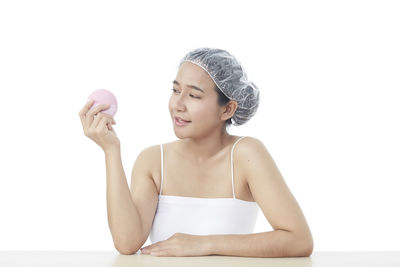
328	74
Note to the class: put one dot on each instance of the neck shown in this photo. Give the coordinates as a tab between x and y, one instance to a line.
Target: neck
206	147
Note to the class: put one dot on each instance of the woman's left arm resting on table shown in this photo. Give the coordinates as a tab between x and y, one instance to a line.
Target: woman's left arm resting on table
277	243
291	235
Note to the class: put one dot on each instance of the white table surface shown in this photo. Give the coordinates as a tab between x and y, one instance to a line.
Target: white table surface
115	259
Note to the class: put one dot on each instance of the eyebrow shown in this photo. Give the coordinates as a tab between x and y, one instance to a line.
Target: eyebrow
190	86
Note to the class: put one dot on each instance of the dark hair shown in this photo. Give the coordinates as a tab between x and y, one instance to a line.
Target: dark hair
222	101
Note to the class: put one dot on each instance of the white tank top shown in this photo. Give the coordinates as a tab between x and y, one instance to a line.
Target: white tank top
202	216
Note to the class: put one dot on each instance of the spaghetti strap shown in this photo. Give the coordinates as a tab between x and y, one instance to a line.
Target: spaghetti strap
233	186
162	178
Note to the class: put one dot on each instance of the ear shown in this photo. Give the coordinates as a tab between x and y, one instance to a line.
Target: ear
229	110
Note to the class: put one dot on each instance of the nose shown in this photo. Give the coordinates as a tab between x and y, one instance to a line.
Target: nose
179	102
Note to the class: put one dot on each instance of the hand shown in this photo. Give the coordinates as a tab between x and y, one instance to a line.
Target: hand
97	126
180	244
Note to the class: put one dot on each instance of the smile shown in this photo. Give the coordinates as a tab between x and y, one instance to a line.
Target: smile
181	122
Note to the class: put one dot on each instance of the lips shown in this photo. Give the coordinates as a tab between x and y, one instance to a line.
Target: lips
180	119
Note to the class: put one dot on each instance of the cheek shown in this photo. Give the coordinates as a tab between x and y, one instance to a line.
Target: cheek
170	104
204	112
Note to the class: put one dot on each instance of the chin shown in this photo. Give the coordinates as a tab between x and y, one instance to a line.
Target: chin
180	135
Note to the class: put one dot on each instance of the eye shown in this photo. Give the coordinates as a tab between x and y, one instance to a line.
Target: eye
190	95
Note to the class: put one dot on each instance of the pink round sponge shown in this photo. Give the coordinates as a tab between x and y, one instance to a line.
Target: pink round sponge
103	96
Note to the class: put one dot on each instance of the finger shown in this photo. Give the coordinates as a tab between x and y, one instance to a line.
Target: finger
109	125
102	126
86	107
150	246
95	111
100	115
95	122
105	123
155	250
158	253
84	110
159	245
97	118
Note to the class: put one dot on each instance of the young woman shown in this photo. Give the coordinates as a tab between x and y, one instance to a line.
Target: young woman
200	195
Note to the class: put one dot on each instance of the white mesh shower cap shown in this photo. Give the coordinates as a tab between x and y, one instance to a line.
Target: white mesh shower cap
231	79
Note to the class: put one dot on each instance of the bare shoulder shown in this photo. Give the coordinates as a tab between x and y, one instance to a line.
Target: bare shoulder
249	146
151	150
248	151
150	155
152	158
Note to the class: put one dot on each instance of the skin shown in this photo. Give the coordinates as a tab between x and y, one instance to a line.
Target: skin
206	134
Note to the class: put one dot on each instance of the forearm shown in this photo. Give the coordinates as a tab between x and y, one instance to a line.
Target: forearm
123	217
277	243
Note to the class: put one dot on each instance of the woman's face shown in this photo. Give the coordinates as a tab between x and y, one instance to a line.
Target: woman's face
198	107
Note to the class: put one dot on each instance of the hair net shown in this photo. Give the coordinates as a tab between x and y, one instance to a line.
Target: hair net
230	77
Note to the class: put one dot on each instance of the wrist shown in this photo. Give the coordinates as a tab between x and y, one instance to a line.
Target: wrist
112	150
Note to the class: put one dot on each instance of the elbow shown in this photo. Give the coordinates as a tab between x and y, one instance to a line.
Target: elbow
127	246
299	250
302	247
125	250
308	248
308	251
